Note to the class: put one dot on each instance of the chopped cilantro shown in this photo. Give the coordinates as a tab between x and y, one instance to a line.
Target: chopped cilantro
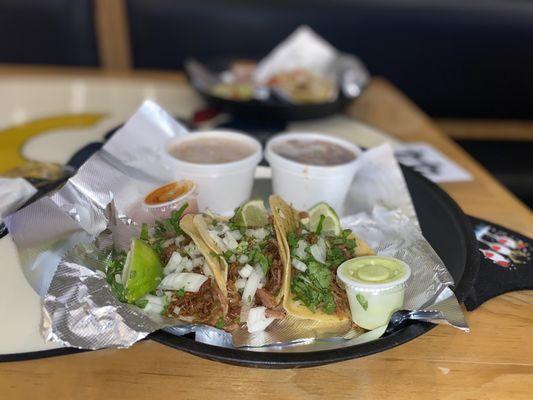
180	293
313	287
257	257
292	239
235	223
166	229
362	300
228	254
144	233
175	218
141	303
220	323
320	223
114	267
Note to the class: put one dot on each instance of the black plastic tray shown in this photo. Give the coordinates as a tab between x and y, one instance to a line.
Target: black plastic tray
446	228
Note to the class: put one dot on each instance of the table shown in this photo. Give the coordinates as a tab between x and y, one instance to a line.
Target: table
494	361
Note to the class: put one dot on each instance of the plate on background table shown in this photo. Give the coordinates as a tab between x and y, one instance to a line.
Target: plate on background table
273	108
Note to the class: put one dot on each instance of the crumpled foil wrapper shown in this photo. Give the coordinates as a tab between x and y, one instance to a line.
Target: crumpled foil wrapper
304	49
65	239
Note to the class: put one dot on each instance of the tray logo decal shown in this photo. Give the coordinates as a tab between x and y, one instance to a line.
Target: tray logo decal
501	248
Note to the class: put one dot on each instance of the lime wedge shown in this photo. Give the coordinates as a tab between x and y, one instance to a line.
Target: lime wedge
331	224
253	214
142	271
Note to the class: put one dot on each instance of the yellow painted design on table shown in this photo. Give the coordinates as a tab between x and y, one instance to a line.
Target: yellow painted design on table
12	139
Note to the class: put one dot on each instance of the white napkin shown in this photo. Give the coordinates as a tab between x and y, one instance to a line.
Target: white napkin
302	49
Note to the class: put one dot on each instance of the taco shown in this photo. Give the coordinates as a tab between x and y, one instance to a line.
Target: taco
169	271
312	256
253	264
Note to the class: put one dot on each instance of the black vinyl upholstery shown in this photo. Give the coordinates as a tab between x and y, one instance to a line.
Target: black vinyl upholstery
59	32
453	58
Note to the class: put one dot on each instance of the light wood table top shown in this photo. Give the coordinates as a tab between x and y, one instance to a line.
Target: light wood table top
494	361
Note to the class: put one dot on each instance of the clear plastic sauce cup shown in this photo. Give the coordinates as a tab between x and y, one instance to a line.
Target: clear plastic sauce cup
375	287
302	181
222	163
162	201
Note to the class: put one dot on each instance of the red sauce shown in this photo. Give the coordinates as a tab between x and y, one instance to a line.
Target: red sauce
169	192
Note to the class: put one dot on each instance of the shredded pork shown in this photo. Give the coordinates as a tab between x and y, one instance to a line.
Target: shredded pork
203	306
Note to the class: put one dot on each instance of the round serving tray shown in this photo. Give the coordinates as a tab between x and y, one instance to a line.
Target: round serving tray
445	227
270	109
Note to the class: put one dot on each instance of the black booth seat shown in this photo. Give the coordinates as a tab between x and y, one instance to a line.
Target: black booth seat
453	58
54	32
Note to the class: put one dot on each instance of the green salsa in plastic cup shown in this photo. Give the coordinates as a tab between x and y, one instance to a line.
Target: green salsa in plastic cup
375	287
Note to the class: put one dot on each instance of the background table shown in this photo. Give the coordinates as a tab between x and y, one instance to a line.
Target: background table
494	361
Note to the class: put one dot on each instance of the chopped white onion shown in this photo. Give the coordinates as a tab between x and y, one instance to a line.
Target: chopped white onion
155	305
176	310
189	281
299	265
186	264
196	262
251	287
179	239
257	320
246	271
206	270
192	250
118	278
243	259
230	242
259	233
299	251
235	234
220	244
240	283
318	253
232	258
262	282
218	228
173	264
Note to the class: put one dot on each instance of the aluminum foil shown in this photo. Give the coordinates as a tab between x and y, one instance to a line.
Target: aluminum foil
64	240
304	49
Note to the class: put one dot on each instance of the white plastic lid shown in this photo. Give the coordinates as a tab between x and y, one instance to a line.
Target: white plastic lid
372	281
222	168
315	171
